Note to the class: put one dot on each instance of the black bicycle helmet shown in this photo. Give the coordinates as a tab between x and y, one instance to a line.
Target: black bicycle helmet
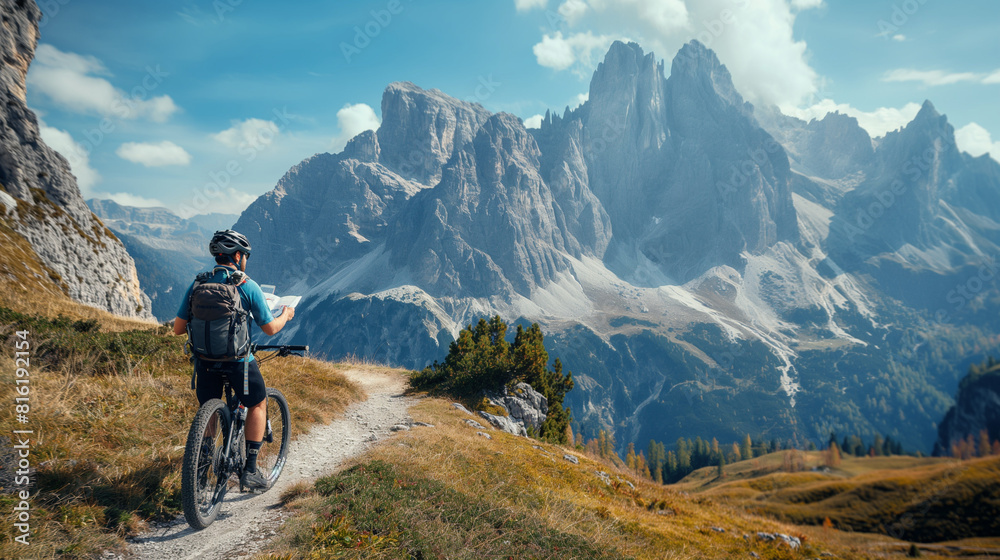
228	242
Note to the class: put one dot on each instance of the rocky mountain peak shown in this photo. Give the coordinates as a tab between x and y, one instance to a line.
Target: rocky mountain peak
363	147
700	83
623	68
422	129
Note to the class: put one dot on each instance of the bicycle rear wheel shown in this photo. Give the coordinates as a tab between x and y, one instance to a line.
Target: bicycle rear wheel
203	476
274	449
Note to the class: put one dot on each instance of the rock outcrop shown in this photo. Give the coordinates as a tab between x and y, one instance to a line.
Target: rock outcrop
41	201
977	408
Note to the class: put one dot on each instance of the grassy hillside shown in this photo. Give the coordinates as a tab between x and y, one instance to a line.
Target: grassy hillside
915	499
110	406
448	492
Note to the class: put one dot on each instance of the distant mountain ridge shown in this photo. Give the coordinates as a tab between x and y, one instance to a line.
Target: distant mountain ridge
690	257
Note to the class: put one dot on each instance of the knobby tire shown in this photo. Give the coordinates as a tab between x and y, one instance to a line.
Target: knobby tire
200	479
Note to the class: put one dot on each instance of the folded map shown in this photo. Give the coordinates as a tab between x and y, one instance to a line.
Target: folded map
275	302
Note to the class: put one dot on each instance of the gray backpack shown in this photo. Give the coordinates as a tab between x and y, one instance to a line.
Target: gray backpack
219	328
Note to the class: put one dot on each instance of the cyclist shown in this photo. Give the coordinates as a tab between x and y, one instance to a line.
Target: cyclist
231	251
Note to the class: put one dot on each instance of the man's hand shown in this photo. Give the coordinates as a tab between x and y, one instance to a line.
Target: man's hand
272	328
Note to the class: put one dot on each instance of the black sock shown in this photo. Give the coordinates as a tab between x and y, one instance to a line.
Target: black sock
252	448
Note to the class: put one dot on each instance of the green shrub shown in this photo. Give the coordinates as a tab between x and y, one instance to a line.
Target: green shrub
482	360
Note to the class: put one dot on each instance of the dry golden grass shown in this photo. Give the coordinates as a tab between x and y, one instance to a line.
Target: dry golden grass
110	410
523	479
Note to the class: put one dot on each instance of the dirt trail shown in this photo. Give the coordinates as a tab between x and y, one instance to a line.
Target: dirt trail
248	521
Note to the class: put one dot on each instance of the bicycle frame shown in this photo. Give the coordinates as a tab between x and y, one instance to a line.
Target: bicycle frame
232	458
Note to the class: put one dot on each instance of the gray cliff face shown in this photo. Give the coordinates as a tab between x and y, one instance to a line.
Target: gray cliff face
489	227
422	129
43	203
688	178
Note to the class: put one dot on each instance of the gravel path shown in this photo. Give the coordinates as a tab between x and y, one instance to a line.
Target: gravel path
248	521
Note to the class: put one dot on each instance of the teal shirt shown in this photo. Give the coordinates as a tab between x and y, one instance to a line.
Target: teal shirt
250	292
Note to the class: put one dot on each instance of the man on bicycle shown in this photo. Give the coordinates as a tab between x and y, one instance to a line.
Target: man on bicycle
231	251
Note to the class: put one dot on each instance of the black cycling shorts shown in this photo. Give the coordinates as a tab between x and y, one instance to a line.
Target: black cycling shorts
209	383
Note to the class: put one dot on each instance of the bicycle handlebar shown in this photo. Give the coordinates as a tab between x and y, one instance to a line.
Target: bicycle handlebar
281	349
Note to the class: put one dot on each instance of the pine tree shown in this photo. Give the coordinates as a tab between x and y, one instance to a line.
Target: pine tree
747	451
482	360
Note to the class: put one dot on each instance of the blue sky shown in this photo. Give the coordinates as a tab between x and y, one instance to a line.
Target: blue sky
202	105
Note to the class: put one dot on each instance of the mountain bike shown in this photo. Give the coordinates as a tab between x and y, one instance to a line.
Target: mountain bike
216	447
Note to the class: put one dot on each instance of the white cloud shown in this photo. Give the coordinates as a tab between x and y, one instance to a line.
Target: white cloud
560	53
154	155
353	120
234	202
930	77
75	154
255	133
993	78
899	37
573	10
580	99
877	122
73	82
662	17
756	43
977	141
534	121
525	5
807	4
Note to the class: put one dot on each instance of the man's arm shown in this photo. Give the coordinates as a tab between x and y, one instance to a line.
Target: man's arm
275	326
180	326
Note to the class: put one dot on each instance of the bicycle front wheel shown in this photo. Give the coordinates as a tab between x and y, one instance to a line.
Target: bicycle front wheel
274	449
203	475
